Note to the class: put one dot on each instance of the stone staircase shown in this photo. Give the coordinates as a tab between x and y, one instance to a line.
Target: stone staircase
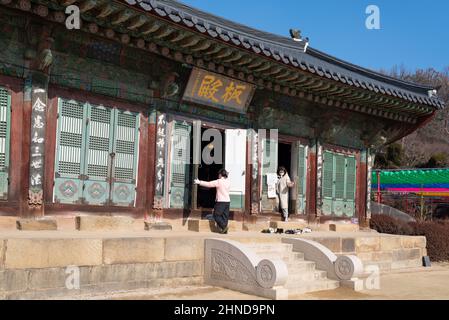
303	277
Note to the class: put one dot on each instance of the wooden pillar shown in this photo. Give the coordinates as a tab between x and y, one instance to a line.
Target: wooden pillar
160	163
248	170
38	59
255	154
361	186
311	183
16	154
143	164
369	165
151	163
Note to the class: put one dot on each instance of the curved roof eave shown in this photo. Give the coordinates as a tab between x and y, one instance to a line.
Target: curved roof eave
289	52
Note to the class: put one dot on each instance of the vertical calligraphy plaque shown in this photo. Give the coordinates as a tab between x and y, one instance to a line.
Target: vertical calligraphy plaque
37	146
161	122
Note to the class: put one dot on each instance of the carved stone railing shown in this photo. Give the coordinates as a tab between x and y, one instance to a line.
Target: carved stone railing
229	264
348	269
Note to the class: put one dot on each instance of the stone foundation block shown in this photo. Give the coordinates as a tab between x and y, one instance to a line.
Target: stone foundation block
2	253
390	243
333	244
48	278
133	250
157	226
104	223
8	223
178	249
343	227
36	224
367	244
13	280
406	254
348	245
48	253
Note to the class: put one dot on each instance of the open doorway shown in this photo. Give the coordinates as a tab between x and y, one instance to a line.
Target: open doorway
284	156
208	172
285	160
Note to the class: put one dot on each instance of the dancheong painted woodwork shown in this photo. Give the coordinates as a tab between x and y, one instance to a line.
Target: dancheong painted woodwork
119	113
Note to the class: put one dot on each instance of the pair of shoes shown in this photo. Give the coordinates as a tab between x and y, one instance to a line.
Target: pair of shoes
280	231
290	231
306	230
269	230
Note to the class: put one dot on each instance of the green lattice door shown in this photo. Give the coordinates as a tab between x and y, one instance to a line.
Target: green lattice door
338	184
5	120
180	165
269	166
328	182
99	131
301	180
350	186
124	170
70	146
96	148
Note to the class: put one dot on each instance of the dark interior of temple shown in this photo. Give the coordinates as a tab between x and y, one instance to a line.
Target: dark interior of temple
209	172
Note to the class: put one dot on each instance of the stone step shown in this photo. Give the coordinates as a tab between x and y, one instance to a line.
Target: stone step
209	226
312	286
382	265
291	225
306	276
300	266
276	247
286	257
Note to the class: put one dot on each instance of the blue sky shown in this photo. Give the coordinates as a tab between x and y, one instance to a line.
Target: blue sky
413	33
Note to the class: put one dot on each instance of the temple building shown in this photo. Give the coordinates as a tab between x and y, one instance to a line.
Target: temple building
112	118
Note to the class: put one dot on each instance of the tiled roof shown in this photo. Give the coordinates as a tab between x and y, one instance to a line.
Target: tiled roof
287	51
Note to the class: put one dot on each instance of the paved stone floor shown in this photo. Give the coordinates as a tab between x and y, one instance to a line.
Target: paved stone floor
414	284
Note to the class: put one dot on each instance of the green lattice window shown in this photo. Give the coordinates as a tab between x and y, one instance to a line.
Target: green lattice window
338	184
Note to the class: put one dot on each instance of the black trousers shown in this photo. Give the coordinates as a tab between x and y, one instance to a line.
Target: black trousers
221	214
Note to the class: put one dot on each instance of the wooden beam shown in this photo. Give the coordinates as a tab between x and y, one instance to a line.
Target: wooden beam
190	42
137	22
178	36
273	71
87	5
212	50
264	66
201	46
243	61
105	11
236	55
121	16
223	53
150	27
162	32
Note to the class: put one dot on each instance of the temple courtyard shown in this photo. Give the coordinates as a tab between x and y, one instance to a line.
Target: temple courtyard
110	258
413	284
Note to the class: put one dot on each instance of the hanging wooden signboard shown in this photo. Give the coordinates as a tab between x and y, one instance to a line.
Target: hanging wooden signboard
218	91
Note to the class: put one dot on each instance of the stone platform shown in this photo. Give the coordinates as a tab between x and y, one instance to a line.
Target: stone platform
209	226
33	264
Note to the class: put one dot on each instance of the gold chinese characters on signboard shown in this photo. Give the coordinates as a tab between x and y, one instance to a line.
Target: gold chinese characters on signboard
218	91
